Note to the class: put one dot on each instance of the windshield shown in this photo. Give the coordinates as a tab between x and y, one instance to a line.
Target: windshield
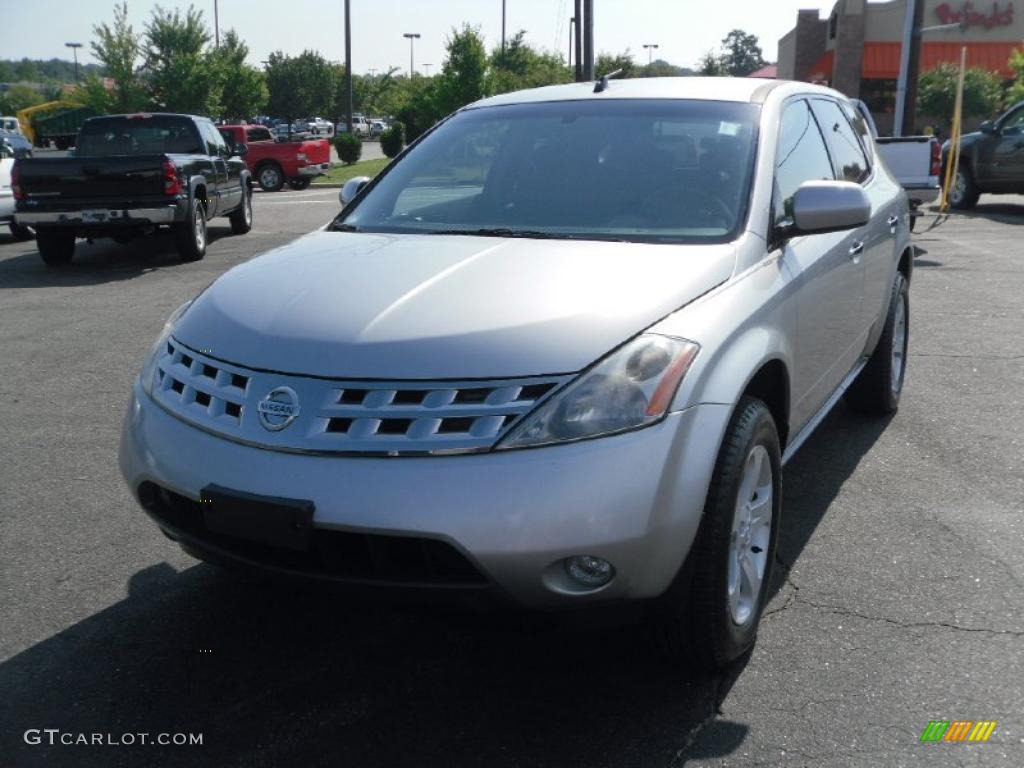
645	170
141	135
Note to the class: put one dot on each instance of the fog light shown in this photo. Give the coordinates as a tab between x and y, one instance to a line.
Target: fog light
589	571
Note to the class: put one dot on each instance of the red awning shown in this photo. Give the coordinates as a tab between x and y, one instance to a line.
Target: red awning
882	60
771	71
822	69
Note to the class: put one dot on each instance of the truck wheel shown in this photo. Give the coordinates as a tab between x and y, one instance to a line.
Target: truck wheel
299	184
241	218
965	193
21	232
877	390
56	246
270	177
710	614
190	235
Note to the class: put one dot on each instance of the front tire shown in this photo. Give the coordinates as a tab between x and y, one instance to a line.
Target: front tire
56	246
710	615
241	219
190	235
965	193
877	390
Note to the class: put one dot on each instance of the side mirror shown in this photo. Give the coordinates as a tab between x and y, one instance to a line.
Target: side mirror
829	206
988	127
352	188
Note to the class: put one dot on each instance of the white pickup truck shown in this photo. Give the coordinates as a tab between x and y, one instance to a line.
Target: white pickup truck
7	194
916	161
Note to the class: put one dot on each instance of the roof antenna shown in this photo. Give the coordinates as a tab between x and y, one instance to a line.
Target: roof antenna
602	84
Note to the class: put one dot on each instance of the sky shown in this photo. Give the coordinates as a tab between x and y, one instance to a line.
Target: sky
683	29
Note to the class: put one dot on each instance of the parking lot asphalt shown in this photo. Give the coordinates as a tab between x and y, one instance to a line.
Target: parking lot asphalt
899	598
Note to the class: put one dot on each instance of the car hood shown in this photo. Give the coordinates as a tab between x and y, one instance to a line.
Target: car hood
353	305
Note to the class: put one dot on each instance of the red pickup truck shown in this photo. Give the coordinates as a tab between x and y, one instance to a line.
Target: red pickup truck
275	163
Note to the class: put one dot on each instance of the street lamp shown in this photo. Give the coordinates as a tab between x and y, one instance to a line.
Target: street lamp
74	48
650	52
412	37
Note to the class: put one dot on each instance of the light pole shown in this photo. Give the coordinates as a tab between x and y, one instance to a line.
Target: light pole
348	70
502	26
216	25
572	23
413	36
650	52
74	49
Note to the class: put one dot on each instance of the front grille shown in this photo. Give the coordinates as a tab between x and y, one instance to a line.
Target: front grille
341	555
388	418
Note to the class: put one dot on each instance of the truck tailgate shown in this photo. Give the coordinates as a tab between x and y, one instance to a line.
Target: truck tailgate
316	151
909	158
67	179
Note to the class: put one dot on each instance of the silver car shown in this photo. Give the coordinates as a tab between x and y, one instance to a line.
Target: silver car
558	353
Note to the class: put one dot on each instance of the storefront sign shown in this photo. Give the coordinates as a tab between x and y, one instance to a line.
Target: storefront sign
998	15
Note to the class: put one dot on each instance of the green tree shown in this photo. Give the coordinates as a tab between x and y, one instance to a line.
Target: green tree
179	70
463	78
520	66
420	108
1016	90
117	49
661	68
18	97
936	93
300	86
741	54
710	65
607	63
243	89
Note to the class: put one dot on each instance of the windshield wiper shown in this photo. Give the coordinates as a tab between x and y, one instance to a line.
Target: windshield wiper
502	232
342	227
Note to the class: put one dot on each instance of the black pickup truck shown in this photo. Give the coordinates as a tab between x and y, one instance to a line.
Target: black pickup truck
129	175
991	160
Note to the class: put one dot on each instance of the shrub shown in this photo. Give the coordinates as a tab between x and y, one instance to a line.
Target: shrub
393	139
349	146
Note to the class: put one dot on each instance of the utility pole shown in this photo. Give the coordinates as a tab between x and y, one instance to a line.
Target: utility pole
216	25
74	49
572	23
913	69
650	52
577	23
348	68
502	26
588	40
412	37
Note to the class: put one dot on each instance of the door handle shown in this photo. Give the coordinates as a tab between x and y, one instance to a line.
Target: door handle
893	221
856	250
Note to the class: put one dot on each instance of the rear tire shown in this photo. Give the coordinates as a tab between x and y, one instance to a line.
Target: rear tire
56	246
710	614
270	177
299	184
877	390
21	232
190	235
965	193
241	219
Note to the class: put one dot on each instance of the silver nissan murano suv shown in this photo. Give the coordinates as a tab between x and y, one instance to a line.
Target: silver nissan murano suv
558	352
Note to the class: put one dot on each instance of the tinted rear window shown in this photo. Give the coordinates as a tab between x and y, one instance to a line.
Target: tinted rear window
155	135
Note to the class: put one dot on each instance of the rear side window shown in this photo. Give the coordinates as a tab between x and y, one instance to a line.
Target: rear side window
258	134
847	152
801	156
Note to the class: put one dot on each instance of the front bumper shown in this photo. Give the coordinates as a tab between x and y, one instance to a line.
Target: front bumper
318	169
110	217
635	499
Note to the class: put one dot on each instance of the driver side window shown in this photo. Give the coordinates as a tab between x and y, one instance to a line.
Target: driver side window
1013	125
800	156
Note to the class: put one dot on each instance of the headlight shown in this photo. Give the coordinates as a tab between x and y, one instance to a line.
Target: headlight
631	388
148	375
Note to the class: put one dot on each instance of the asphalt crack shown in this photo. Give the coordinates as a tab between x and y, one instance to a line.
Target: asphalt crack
841	611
